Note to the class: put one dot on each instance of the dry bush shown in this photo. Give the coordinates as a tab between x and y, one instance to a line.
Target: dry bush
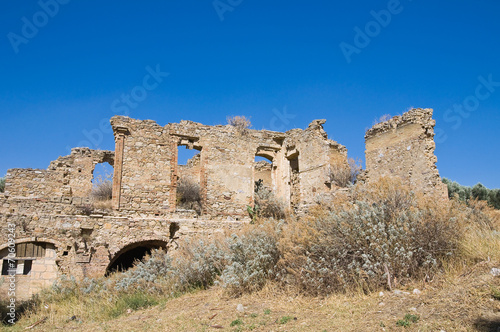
188	195
267	205
384	238
239	122
252	257
383	118
199	262
344	174
102	190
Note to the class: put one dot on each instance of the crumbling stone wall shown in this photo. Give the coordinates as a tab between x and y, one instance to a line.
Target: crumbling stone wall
404	147
146	171
68	176
86	245
263	171
191	170
50	206
310	155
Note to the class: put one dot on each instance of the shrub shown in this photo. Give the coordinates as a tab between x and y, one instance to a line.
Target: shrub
252	257
102	190
199	263
147	274
2	185
266	204
188	195
239	122
368	244
344	174
480	192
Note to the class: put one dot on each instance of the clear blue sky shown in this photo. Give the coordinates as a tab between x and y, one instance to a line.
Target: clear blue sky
65	70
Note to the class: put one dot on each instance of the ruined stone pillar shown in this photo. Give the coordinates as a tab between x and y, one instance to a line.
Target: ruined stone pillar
118	166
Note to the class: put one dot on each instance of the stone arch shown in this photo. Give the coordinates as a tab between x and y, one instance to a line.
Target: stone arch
124	258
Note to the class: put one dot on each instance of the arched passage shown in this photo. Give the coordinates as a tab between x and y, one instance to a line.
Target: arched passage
125	258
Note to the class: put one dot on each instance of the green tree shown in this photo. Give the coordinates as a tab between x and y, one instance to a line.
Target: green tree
494	198
477	192
480	192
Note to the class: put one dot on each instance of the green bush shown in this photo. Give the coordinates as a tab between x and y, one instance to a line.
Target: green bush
2	185
479	191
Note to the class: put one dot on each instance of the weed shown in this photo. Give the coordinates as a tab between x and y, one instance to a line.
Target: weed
102	190
495	293
267	311
407	320
267	205
239	122
285	319
236	322
403	322
188	195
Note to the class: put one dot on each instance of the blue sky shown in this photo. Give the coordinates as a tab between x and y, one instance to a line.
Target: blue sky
68	66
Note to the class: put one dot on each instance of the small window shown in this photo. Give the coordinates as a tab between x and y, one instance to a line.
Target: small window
21	267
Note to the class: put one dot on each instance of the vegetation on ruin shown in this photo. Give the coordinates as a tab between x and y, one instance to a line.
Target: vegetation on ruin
240	122
102	189
188	195
477	192
380	237
266	204
344	174
2	185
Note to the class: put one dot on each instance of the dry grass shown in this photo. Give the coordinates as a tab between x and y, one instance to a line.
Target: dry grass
103	205
453	302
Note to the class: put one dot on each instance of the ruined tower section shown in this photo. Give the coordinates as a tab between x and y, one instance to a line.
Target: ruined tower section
310	155
404	147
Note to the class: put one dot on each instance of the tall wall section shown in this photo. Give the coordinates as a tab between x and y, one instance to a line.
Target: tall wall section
404	147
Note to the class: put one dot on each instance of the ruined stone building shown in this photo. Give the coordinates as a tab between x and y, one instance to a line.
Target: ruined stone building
58	231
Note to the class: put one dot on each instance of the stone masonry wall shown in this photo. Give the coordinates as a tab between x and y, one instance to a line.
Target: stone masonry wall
68	176
404	147
146	178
